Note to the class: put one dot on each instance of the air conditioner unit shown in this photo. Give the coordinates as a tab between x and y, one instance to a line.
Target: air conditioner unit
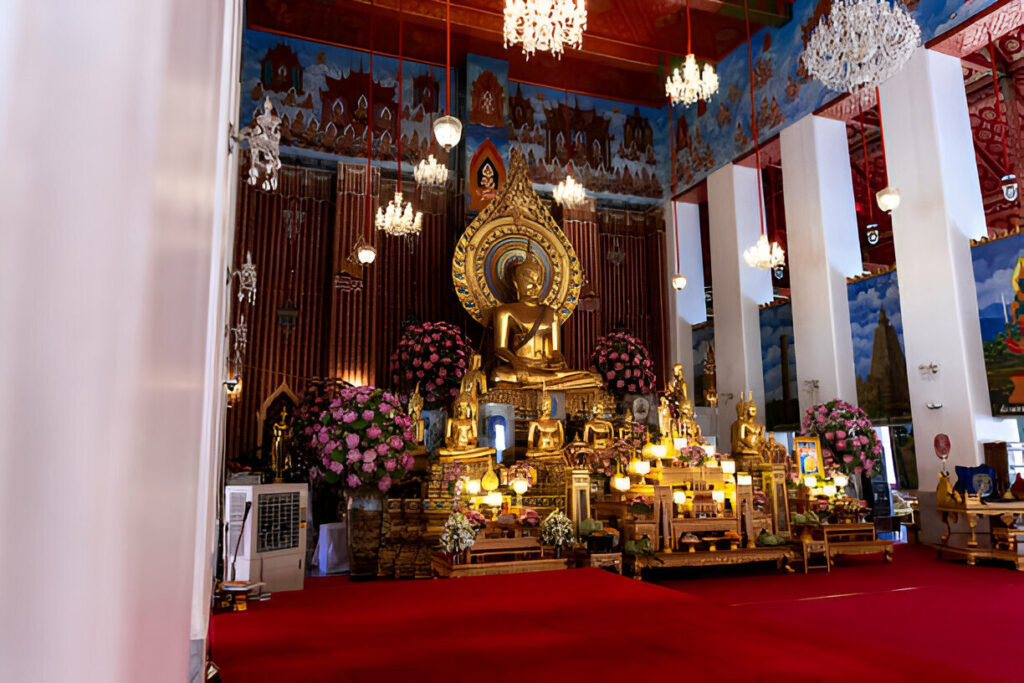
268	544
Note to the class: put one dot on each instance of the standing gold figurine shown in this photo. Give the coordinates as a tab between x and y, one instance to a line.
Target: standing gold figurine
416	413
279	457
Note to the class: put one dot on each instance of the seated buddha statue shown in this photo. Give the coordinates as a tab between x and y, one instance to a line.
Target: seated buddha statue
597	431
528	339
686	426
474	381
460	432
747	436
546	435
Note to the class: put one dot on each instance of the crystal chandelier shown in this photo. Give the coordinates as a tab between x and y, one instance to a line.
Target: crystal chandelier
764	255
546	25
690	85
861	43
246	280
399	219
264	137
569	194
429	173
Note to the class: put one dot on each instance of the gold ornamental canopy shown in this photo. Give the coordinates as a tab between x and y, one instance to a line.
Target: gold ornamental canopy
513	225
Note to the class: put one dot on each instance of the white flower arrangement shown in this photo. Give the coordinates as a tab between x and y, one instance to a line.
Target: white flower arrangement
556	529
458	534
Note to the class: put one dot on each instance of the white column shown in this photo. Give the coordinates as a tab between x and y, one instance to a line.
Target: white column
738	290
824	250
107	274
930	156
686	306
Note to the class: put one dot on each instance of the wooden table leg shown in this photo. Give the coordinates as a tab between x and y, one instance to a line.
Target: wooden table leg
945	520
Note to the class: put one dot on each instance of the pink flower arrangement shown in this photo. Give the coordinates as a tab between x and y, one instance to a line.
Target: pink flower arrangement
848	442
435	355
607	461
370	450
624	364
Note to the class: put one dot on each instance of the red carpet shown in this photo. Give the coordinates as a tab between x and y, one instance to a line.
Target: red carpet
951	623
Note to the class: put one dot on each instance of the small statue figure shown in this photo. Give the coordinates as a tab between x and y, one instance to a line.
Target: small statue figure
686	426
710	380
773	452
626	430
280	459
460	435
598	432
474	381
747	435
665	420
546	435
415	412
676	388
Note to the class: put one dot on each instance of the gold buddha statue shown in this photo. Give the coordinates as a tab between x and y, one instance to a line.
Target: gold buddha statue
280	458
546	435
416	413
626	430
460	432
528	338
686	426
474	381
676	388
598	432
747	436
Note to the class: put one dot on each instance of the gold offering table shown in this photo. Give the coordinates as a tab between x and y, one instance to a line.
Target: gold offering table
780	555
490	556
1004	541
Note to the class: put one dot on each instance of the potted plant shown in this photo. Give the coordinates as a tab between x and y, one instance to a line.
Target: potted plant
364	439
556	530
624	364
458	536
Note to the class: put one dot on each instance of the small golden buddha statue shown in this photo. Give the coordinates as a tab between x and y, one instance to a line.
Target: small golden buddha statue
474	381
626	430
280	458
528	336
665	420
747	436
676	388
598	432
546	435
460	432
415	412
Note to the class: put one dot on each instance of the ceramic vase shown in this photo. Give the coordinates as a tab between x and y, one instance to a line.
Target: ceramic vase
365	521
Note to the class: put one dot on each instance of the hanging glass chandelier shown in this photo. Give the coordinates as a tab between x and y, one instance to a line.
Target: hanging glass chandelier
399	219
764	255
429	173
569	194
545	25
861	43
691	85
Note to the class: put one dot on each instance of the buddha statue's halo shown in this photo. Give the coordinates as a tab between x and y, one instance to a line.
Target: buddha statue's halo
513	223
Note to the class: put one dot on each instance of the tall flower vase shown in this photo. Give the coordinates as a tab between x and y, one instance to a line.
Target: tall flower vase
365	524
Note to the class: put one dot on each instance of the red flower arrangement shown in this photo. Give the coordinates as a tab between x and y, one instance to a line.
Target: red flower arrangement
435	356
624	364
848	442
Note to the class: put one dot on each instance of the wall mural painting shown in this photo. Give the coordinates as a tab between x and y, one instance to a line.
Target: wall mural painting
619	150
778	362
703	337
486	135
709	137
321	94
878	353
999	279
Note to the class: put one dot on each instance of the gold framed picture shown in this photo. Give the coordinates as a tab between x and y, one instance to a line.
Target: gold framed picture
808	456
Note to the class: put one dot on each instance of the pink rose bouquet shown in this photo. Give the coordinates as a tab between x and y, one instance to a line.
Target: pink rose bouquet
436	356
848	443
624	364
363	438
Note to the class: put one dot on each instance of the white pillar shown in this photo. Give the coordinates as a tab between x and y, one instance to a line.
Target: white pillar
686	307
824	250
109	263
738	290
930	156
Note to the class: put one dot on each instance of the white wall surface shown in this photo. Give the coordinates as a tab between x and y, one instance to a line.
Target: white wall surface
110	132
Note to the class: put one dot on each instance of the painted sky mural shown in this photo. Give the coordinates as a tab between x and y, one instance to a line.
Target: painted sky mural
784	92
778	363
320	92
876	325
999	279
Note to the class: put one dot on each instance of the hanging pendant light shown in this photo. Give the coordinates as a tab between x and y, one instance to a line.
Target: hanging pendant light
889	197
365	252
763	255
678	280
545	25
448	129
399	219
1009	180
429	173
691	85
